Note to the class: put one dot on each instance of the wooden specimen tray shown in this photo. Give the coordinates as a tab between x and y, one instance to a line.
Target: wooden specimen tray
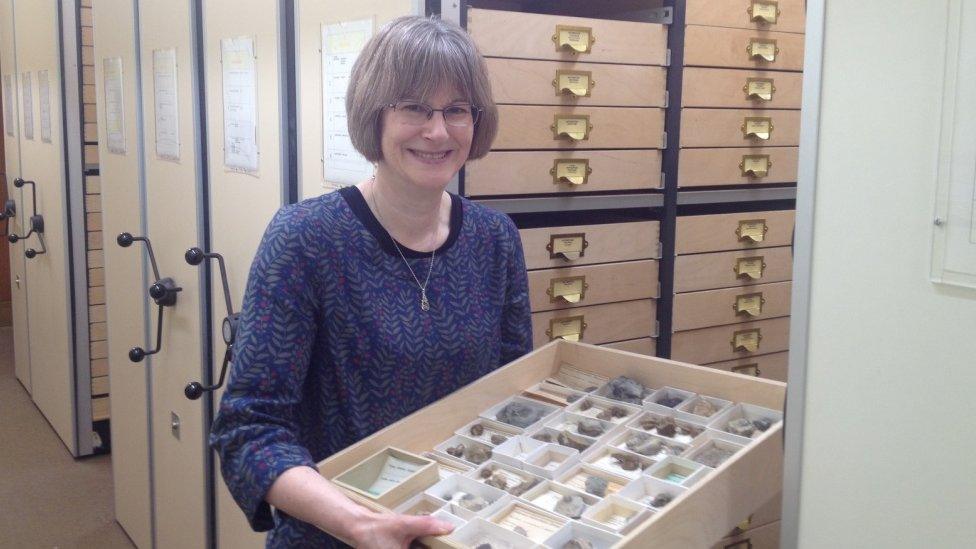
698	517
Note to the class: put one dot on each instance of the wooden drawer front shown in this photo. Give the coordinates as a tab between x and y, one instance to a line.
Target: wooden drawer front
702	87
531	127
517	172
592	285
791	16
706	167
643	346
763	537
718	270
720	47
527	82
716	344
695	310
734	231
530	36
772	366
724	128
604	243
602	323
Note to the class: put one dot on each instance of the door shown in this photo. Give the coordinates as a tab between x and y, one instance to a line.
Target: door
11	113
173	223
126	278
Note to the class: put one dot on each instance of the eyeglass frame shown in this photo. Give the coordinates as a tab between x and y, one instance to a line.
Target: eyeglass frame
475	111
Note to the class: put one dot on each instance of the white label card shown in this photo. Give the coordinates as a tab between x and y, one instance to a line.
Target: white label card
8	104
44	98
240	104
114	107
394	471
342	165
166	104
27	94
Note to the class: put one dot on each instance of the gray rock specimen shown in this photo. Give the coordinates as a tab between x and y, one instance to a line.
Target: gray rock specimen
626	389
572	397
714	456
742	427
670	402
477	454
585	405
544	437
703	408
472	502
484	546
571	506
520	414
627	462
661	500
762	423
487	471
477	430
589	427
605	415
596	486
578	543
497	439
520	531
523	486
497	480
644	445
456	451
568	441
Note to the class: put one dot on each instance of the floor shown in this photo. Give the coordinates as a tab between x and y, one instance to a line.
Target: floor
49	499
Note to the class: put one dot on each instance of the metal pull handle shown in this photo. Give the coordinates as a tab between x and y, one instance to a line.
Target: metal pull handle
163	292
36	221
9	210
195	389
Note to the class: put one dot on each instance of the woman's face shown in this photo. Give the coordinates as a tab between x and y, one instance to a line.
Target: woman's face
426	156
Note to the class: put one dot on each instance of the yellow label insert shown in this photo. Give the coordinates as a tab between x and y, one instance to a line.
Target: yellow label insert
749	304
574	83
762	48
568	246
746	340
747	370
759	89
571	289
764	12
757	127
755	165
574	171
574	126
570	328
749	267
753	230
573	39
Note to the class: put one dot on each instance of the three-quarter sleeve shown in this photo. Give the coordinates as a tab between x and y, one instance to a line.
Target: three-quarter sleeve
516	316
256	431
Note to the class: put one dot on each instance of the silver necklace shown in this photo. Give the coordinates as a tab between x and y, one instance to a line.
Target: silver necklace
424	302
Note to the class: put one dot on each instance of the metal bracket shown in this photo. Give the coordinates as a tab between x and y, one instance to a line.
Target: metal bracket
663	15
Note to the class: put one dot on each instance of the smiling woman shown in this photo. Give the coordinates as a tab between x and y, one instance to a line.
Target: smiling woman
369	303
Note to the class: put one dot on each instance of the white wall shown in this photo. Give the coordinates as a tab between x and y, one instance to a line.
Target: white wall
889	440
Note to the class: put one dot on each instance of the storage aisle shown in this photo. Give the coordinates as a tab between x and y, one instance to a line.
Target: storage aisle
51	499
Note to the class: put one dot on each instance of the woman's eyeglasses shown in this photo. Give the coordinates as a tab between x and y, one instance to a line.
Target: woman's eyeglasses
415	113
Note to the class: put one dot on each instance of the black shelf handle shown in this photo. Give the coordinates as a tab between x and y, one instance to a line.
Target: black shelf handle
9	210
36	220
228	328
163	292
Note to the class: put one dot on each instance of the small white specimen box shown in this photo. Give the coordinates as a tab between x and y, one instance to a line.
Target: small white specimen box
389	476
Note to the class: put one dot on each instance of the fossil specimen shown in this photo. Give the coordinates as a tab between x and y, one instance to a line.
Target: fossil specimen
586	405
644	445
762	423
497	480
477	454
523	487
596	486
589	427
472	502
477	430
572	397
568	441
497	439
626	389
661	500
703	408
742	427
578	543
520	414
670	401
626	462
571	506
544	437
456	451
714	456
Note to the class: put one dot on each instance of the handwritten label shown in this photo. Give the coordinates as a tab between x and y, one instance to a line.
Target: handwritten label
576	128
751	267
576	83
574	378
394	472
571	289
750	304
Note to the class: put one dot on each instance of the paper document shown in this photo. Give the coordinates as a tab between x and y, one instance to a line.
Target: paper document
240	104
27	93
114	108
8	104
394	471
44	98
165	104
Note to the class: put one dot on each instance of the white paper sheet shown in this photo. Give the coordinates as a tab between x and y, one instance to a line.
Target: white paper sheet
28	95
240	104
395	471
8	104
166	104
114	108
341	44
44	98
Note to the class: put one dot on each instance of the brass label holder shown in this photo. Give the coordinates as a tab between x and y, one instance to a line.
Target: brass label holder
572	171
759	89
753	230
575	127
757	127
567	246
746	340
573	83
764	12
570	328
755	165
568	289
764	49
575	40
749	304
746	370
744	544
749	267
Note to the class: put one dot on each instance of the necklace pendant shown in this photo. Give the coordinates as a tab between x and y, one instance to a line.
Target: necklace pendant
424	303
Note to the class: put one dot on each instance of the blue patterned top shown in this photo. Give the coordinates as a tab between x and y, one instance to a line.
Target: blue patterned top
333	346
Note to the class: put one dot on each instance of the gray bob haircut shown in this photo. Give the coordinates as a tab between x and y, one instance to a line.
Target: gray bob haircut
410	58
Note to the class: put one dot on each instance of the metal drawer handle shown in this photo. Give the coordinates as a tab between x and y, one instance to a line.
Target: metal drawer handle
764	12
747	370
755	165
762	49
573	83
575	127
567	246
163	292
575	40
746	340
759	89
572	171
569	328
749	267
568	289
36	221
749	304
228	328
757	127
753	230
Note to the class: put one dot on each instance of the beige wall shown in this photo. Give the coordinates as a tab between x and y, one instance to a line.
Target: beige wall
888	441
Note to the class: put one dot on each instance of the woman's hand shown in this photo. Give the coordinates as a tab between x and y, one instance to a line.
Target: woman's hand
387	531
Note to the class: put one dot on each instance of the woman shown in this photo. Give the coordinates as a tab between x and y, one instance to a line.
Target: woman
369	303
